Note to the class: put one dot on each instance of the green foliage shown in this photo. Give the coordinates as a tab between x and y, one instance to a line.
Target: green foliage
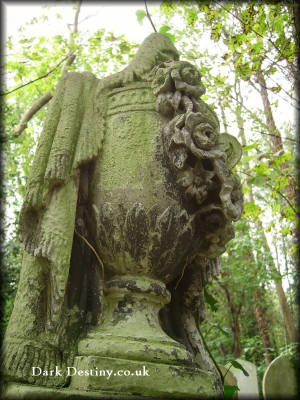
229	391
210	300
140	14
165	30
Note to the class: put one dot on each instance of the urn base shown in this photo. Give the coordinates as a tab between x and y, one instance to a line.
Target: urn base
130	327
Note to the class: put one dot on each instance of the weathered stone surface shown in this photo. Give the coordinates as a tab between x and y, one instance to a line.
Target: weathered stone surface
248	385
130	202
280	380
163	379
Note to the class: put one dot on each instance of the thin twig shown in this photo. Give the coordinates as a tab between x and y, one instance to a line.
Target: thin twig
227	372
94	251
277	94
181	276
72	55
211	356
258	119
76	17
149	17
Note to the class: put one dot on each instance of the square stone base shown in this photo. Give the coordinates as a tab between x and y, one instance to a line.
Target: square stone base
129	380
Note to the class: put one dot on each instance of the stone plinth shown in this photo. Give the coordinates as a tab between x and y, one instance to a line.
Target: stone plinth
153	381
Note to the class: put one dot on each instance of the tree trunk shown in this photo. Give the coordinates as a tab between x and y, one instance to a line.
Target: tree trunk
235	326
234	320
263	326
284	306
295	17
275	137
290	329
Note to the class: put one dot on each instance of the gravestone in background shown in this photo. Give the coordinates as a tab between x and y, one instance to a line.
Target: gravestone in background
129	205
229	378
248	385
280	380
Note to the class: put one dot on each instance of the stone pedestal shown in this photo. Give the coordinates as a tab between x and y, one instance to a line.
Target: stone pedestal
131	344
130	328
129	354
164	382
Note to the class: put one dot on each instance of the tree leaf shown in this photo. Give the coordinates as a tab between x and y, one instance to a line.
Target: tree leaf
237	365
164	29
210	300
140	14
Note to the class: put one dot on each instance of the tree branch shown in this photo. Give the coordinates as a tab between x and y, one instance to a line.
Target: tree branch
48	96
254	116
35	80
277	191
72	55
277	94
30	113
149	17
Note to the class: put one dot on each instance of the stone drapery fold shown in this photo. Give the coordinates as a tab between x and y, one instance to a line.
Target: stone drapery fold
72	135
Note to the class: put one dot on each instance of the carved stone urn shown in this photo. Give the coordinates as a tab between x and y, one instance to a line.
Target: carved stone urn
156	199
161	195
144	238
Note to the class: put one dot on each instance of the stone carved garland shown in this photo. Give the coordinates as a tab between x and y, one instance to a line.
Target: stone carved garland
200	157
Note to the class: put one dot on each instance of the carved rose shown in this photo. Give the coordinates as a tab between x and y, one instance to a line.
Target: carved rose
178	76
187	80
204	131
194	132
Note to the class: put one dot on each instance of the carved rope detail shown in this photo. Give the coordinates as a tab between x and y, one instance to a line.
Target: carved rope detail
200	157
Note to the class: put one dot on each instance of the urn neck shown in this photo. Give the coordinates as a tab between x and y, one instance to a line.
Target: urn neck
153	289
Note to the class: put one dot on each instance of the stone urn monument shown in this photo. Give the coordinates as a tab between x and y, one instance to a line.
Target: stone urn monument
129	203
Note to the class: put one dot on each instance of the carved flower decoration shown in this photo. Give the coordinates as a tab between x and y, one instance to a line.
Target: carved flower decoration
214	229
178	76
231	196
197	133
203	130
197	182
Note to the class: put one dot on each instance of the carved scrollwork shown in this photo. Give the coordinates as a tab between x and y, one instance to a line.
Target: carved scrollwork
200	157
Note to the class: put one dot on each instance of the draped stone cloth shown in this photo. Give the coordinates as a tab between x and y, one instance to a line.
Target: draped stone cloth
39	331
